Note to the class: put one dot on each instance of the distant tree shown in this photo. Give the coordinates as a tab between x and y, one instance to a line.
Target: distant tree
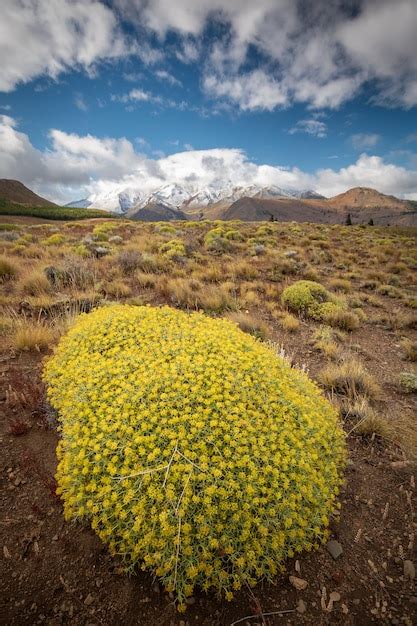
271	218
201	216
371	222
348	220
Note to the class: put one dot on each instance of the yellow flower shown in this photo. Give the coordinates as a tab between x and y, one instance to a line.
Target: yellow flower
187	443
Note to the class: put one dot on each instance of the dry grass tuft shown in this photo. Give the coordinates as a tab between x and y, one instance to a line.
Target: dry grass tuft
34	284
249	324
410	349
350	380
33	336
289	322
8	269
343	319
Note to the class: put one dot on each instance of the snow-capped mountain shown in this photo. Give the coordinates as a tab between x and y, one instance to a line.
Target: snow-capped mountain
173	195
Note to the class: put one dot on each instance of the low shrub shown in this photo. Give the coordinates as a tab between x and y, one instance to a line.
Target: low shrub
408	381
193	449
173	249
9	227
54	240
129	260
310	299
215	240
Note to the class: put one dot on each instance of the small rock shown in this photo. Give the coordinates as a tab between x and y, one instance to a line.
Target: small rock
6	553
55	538
301	606
190	601
89	600
409	570
413	599
298	583
156	588
334	548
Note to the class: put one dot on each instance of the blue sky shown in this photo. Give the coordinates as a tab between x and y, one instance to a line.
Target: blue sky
104	93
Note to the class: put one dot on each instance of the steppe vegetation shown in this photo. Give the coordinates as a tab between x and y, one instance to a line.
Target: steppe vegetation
339	302
48	212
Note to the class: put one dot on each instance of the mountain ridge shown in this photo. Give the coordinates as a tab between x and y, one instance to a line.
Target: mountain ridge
15	191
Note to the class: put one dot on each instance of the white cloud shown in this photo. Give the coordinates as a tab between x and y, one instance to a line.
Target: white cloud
74	166
47	37
134	95
310	127
368	171
80	102
166	77
319	53
251	91
362	141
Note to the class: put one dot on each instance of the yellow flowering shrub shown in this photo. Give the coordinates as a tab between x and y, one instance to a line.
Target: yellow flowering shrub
173	249
193	449
310	298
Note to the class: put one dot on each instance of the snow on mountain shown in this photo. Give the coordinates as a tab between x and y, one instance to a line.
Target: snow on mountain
171	195
121	199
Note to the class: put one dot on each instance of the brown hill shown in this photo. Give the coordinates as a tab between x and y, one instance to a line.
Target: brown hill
361	203
15	191
281	210
366	198
154	212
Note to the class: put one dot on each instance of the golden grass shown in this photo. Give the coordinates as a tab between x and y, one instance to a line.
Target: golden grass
8	269
34	284
343	319
249	323
289	322
32	336
349	379
410	349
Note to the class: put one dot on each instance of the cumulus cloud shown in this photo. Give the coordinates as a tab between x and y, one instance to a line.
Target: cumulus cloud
75	166
47	37
310	127
320	53
362	141
317	53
